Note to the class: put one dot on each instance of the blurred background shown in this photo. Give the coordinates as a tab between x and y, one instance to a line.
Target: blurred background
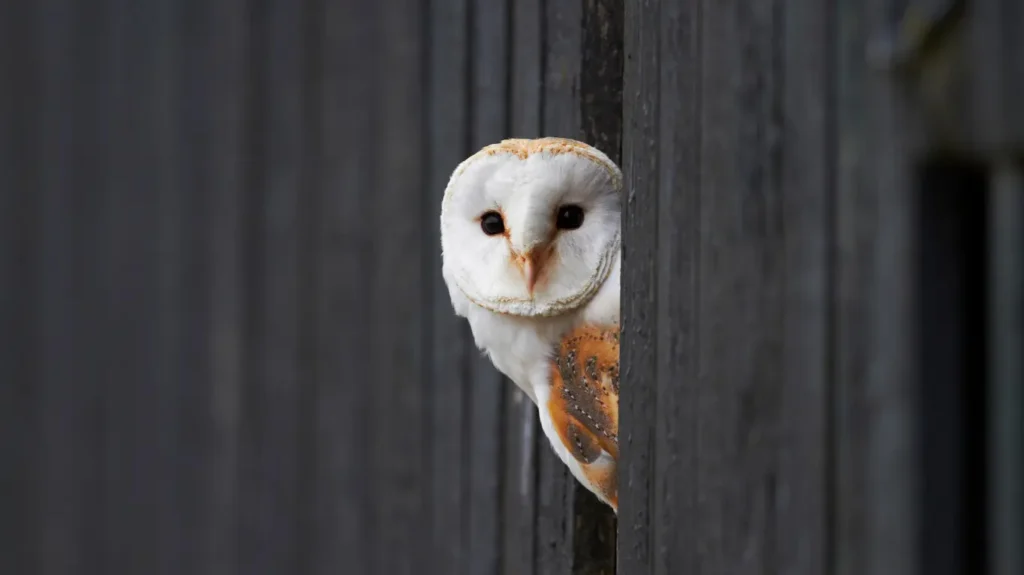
225	346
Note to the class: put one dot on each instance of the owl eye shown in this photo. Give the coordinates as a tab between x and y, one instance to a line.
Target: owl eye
569	217
492	224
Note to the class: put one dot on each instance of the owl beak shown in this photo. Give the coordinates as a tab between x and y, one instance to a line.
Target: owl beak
531	271
533	265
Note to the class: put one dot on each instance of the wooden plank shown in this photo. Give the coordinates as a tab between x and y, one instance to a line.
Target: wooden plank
676	463
600	81
804	481
640	313
521	427
269	426
675	526
1006	371
20	395
993	56
738	385
213	96
527	57
518	505
342	425
489	37
139	270
71	483
451	344
563	44
875	507
396	299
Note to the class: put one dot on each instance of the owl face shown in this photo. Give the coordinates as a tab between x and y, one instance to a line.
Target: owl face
531	227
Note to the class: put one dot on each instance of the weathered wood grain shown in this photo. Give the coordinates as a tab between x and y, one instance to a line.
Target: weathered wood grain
992	55
396	298
141	258
269	425
677	526
739	320
19	307
876	458
69	164
640	165
805	144
1005	394
213	112
451	347
338	504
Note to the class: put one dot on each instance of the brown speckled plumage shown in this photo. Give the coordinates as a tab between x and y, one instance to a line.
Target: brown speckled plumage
584	403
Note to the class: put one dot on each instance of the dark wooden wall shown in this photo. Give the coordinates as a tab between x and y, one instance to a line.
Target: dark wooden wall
822	314
225	346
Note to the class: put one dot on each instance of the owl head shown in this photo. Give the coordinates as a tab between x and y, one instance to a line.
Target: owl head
531	227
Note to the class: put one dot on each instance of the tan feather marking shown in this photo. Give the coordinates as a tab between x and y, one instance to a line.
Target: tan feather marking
524	148
584	403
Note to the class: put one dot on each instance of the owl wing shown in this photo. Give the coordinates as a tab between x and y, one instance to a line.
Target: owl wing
584	403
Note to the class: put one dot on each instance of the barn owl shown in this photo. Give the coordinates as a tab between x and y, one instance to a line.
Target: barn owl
530	255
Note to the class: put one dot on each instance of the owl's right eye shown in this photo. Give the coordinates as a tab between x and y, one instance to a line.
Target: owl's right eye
492	224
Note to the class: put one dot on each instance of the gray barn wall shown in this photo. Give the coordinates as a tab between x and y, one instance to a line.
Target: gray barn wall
822	376
225	346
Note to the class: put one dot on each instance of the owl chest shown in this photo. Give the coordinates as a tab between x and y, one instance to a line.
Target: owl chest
520	349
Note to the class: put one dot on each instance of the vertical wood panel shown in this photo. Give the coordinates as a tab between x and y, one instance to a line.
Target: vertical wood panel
807	192
141	207
678	526
876	457
396	296
740	280
452	346
994	55
19	397
269	425
1006	395
343	427
73	48
640	165
213	113
726	258
139	265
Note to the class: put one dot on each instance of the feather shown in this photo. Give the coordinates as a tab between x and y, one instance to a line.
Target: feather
584	404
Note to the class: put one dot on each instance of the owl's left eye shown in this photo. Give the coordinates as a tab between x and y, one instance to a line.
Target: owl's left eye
492	224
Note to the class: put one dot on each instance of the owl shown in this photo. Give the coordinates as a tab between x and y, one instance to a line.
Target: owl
531	250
